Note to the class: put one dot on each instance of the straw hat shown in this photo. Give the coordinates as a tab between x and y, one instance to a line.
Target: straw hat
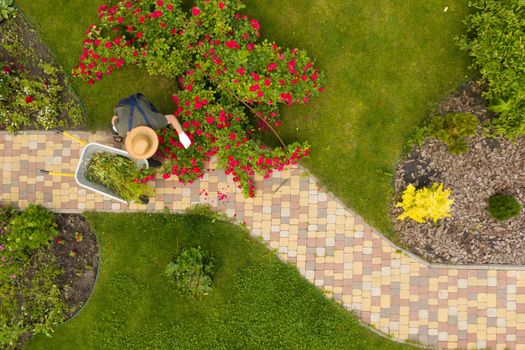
141	142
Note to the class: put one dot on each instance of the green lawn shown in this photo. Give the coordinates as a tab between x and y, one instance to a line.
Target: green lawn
258	302
387	64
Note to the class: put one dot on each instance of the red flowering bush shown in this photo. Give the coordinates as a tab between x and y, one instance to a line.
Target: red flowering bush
227	76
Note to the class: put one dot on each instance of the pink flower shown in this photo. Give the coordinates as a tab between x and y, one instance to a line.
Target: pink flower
272	66
160	3
195	11
241	71
108	45
221	5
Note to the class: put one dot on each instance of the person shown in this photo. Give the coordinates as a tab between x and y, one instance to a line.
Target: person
132	118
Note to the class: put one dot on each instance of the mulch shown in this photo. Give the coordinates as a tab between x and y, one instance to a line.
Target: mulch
493	165
77	251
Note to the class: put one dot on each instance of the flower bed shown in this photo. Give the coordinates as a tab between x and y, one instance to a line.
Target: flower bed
47	271
34	93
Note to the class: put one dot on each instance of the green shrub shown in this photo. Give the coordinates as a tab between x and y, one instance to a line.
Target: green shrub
192	272
503	207
453	129
6	9
32	229
496	33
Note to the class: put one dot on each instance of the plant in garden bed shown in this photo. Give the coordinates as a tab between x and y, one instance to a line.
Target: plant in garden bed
503	207
118	174
192	272
33	91
226	75
426	203
30	300
453	129
6	9
496	32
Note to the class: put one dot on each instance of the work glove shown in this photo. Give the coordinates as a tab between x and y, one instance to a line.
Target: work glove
184	139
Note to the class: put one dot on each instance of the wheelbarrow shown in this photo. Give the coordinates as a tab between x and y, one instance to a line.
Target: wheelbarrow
86	155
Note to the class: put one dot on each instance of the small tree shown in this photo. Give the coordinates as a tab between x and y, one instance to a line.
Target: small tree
426	203
226	74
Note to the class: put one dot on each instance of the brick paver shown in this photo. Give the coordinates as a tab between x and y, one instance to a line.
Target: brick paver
396	292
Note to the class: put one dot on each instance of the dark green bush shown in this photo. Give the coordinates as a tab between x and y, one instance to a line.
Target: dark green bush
453	129
503	207
495	37
192	272
32	229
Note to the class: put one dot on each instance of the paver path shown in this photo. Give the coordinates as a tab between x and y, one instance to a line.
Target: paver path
443	306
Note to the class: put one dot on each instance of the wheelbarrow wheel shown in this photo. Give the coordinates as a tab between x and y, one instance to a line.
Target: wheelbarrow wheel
144	199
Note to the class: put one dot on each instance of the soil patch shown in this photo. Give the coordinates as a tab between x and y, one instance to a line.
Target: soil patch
77	251
493	165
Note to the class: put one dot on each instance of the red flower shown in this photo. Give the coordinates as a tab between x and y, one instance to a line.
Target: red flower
195	11
241	71
272	66
29	99
255	24
254	87
139	35
221	5
108	45
160	3
232	44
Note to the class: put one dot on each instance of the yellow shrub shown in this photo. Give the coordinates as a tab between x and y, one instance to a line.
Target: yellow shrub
426	203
